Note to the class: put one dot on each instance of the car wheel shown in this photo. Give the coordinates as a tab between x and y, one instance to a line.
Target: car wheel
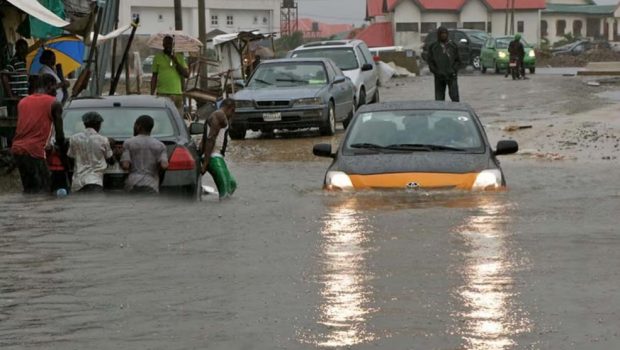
362	99
376	98
237	133
532	70
328	127
475	61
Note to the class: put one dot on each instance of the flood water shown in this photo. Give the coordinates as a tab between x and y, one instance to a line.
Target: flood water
284	265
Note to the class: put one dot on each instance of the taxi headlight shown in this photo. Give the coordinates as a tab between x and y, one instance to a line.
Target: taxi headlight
239	104
338	180
490	179
313	101
502	54
532	53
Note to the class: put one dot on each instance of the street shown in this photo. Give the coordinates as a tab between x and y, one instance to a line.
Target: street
285	265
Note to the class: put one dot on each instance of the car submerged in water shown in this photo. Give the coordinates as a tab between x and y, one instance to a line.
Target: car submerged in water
415	145
290	94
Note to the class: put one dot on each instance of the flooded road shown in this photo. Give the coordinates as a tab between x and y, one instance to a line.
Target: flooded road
284	265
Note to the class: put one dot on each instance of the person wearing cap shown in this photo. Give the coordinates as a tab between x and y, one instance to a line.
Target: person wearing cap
92	154
444	62
516	50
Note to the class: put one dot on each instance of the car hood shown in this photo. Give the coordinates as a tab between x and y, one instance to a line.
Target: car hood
423	162
287	93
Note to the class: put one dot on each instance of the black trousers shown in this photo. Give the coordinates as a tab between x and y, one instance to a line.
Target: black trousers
440	88
34	174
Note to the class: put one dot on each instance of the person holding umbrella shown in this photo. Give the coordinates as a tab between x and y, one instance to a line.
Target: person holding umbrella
169	70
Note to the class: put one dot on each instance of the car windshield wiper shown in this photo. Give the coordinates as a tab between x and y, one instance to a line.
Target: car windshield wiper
262	81
292	81
423	147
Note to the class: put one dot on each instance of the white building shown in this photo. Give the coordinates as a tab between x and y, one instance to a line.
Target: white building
226	15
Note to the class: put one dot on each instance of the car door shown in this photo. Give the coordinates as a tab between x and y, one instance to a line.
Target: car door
462	42
339	91
370	76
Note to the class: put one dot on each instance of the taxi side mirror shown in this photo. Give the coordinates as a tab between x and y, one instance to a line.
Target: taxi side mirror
506	147
323	150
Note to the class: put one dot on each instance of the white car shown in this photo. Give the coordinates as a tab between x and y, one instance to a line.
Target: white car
354	59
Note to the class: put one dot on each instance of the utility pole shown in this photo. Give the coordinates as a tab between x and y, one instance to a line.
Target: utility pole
178	15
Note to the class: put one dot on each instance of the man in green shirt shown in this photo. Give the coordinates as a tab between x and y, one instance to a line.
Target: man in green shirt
169	69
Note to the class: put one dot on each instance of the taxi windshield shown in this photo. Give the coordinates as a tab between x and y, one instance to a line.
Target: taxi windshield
420	130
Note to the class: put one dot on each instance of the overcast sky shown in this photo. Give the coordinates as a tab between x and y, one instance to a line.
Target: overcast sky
351	11
334	11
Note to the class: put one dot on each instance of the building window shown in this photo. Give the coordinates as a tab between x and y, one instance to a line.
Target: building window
520	27
577	26
544	28
428	27
407	27
229	20
560	27
474	25
214	20
160	18
449	25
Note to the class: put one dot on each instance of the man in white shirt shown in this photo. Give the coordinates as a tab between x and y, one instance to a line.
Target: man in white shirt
48	62
92	153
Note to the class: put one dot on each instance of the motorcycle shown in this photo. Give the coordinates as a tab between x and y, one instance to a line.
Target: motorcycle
513	68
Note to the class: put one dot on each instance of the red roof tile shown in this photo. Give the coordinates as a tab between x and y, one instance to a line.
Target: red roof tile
455	5
325	29
377	35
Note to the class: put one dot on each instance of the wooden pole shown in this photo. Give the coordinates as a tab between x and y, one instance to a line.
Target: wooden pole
178	15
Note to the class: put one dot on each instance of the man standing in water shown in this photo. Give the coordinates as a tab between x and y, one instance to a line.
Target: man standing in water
92	153
214	142
444	62
35	116
144	157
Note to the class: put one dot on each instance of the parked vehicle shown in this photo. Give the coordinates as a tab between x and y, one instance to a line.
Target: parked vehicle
495	55
292	94
415	145
579	47
354	59
469	42
119	114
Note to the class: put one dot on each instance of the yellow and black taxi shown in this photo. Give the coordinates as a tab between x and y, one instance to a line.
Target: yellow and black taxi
415	145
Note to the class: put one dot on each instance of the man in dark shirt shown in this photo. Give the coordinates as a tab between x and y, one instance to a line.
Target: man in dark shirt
517	52
444	62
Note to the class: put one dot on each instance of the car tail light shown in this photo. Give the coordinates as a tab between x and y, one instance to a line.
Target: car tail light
54	163
181	159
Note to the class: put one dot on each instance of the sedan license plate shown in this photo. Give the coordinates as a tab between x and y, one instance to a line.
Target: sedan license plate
272	117
513	64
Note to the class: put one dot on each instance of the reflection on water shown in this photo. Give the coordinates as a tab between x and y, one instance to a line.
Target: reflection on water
344	276
492	319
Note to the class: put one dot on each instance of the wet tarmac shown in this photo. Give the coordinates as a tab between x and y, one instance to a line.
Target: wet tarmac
284	265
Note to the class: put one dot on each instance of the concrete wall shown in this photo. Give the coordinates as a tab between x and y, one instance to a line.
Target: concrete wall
243	12
474	11
531	21
407	12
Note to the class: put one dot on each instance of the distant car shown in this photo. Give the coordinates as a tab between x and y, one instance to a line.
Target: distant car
495	54
469	42
293	94
354	59
119	114
415	145
578	47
